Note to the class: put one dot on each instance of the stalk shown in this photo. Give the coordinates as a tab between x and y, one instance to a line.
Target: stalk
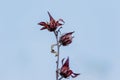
58	49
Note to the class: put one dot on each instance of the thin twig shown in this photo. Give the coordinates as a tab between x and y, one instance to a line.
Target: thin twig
57	62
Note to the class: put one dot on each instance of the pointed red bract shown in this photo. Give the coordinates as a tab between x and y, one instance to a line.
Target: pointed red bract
43	24
51	18
52	25
65	71
66	39
66	64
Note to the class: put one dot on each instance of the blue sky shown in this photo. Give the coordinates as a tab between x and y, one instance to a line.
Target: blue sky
25	50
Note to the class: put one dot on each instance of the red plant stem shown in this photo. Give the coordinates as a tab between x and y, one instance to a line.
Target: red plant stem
57	62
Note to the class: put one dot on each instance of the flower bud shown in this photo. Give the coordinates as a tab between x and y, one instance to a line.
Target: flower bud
66	39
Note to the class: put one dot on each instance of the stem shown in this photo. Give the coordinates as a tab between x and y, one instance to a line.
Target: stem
57	62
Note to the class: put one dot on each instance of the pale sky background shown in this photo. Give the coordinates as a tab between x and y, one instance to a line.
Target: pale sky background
25	50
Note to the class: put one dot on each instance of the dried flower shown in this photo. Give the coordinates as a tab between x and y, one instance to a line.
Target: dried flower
65	71
66	38
52	25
